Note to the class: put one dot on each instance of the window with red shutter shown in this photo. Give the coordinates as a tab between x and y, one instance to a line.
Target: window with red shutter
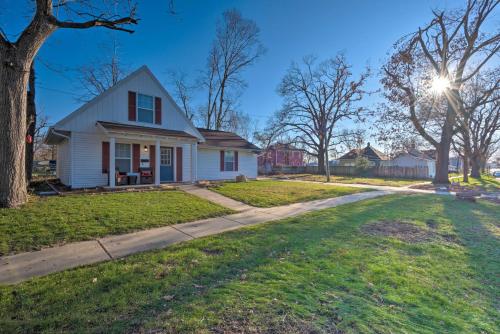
178	163
105	157
131	106
136	157
157	110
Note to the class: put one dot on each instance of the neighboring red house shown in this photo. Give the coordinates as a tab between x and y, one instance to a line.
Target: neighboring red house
280	155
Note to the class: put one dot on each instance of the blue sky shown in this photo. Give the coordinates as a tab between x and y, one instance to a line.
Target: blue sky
364	30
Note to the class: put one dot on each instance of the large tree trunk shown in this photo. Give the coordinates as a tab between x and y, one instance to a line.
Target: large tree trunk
13	86
443	149
30	123
321	161
475	166
466	167
442	162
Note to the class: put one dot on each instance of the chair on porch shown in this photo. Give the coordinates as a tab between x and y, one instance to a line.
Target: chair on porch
121	178
146	175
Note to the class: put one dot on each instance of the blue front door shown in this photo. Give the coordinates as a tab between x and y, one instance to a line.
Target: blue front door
166	165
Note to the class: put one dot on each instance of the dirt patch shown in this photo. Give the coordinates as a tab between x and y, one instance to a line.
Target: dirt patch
398	229
431	223
281	325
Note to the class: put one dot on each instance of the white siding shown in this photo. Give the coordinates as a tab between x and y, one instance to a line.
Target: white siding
112	106
209	165
87	161
63	167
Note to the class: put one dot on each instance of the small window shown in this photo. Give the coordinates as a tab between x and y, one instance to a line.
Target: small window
145	109
229	160
166	156
123	159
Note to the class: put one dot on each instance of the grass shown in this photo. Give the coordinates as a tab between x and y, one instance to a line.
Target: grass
377	181
267	193
314	273
54	220
486	182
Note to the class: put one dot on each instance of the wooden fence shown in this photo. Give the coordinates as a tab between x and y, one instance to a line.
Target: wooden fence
376	171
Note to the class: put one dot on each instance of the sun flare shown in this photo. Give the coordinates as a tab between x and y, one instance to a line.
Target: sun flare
440	84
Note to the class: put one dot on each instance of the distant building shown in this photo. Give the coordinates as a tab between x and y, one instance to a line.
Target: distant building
372	154
280	155
414	159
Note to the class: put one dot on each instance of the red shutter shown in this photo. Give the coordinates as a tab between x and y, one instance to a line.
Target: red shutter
105	157
236	160
131	106
178	163
136	153
158	110
152	158
221	161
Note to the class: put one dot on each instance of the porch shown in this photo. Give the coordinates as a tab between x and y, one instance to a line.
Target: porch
136	156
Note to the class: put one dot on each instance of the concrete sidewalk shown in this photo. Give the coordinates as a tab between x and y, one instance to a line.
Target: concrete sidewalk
21	267
404	189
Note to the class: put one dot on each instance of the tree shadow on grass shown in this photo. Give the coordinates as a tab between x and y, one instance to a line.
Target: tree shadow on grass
474	224
121	295
138	293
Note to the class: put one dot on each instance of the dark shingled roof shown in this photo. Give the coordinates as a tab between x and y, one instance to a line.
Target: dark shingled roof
224	139
368	152
144	130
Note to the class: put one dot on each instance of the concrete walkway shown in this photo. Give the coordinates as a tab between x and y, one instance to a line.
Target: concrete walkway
21	267
215	197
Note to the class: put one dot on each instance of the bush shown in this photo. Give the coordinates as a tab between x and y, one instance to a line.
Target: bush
362	165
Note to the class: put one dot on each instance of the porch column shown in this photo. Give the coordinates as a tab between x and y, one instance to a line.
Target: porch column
112	179
157	162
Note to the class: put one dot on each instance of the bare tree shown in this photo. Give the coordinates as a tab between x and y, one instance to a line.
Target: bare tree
478	131
16	58
444	55
234	49
183	92
316	98
102	73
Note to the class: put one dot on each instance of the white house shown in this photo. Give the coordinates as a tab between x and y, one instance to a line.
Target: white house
414	158
135	133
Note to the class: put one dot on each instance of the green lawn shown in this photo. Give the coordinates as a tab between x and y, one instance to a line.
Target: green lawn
487	182
267	193
377	181
53	220
318	273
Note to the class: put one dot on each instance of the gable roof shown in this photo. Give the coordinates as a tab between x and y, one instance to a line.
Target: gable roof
368	152
142	69
224	139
